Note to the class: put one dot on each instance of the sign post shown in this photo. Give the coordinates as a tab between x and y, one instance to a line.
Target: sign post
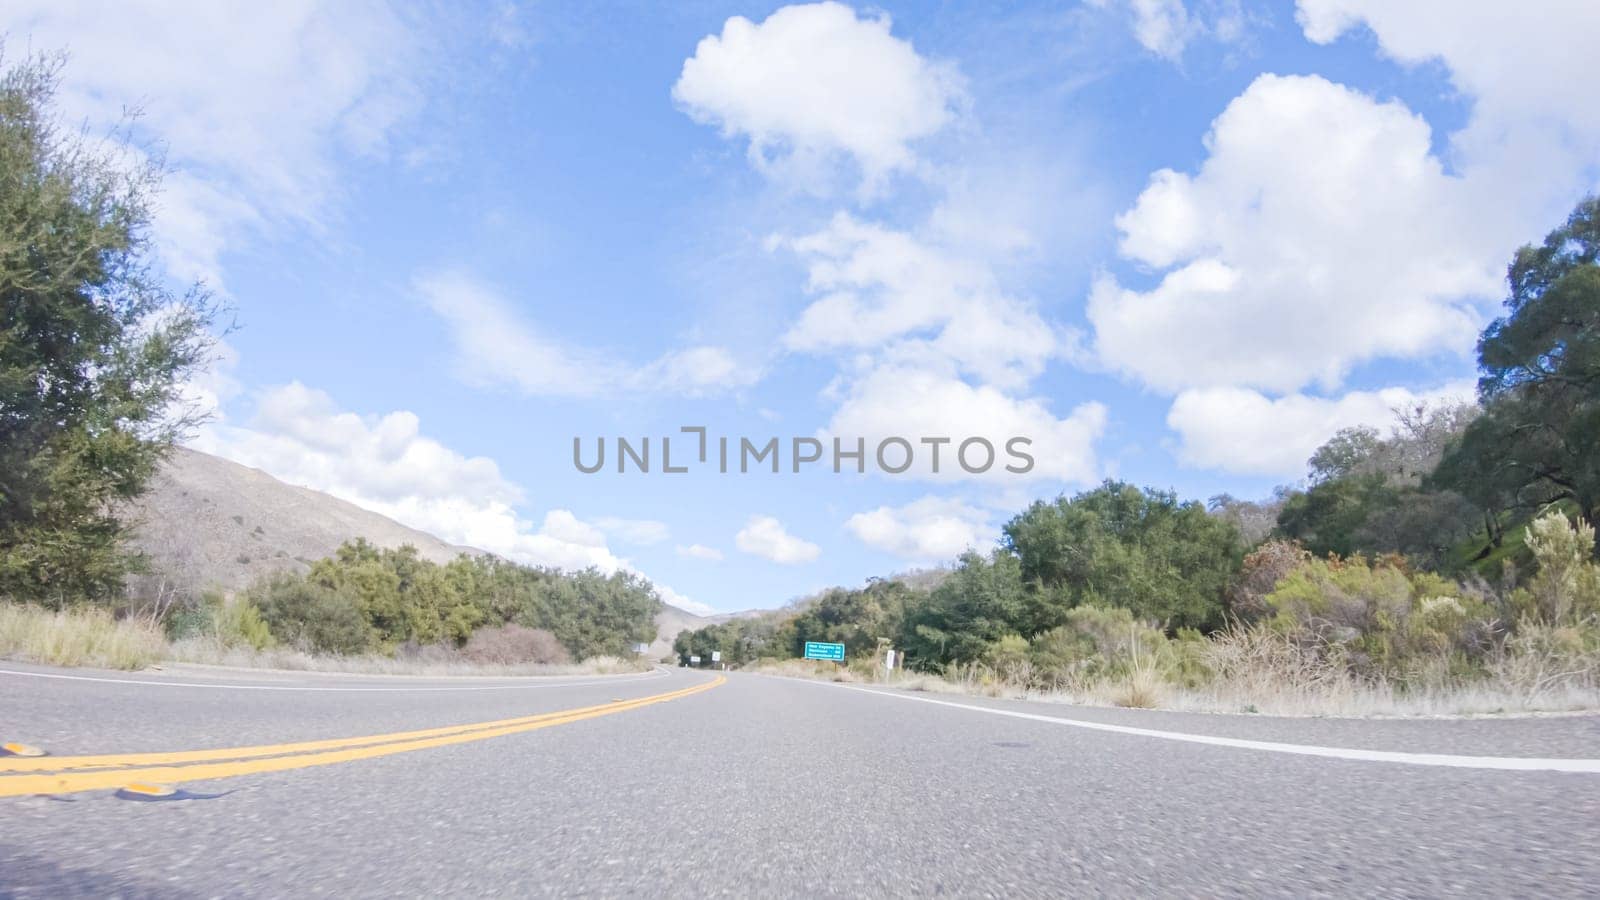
820	650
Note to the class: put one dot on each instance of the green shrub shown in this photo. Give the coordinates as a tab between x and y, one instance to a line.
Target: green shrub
1097	642
1379	620
311	617
239	624
1010	660
1341	600
188	621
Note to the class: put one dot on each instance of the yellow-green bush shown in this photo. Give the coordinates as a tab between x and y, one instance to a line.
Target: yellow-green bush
1096	642
1380	620
1566	588
239	624
230	624
1009	657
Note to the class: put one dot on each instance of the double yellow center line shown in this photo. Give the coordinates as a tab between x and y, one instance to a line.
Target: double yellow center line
68	774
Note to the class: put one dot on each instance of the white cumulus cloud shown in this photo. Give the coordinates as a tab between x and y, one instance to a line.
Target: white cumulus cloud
878	285
699	551
917	401
765	536
256	104
634	531
1520	65
815	81
1245	432
1320	232
497	347
928	530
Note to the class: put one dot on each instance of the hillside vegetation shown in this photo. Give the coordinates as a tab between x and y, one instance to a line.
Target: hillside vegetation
1446	566
204	522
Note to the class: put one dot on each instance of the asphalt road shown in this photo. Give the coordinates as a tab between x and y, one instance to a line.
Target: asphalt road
679	784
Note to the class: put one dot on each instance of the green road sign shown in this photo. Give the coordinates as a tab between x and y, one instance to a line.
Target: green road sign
819	650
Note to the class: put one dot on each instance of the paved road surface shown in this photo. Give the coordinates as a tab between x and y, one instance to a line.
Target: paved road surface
679	784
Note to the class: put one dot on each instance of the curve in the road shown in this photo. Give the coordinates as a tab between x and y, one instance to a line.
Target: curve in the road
113	771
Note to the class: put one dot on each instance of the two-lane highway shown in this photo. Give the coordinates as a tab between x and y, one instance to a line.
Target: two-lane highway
680	783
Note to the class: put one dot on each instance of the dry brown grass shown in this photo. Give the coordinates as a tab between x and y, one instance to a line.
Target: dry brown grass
77	637
204	651
1141	689
90	636
1258	672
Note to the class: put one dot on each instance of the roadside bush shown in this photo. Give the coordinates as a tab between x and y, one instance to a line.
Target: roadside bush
1259	575
513	644
1341	600
427	654
1378	620
230	624
239	624
192	619
1010	660
308	616
1097	642
1566	588
1542	658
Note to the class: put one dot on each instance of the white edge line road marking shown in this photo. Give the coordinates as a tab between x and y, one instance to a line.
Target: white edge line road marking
1512	763
613	679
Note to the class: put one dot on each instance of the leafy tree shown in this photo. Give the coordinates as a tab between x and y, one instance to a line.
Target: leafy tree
399	597
856	618
1421	435
94	349
1254	519
982	601
1331	516
1351	452
1119	546
1540	383
1373	494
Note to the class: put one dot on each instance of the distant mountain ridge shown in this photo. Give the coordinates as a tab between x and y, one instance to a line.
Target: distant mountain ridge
207	522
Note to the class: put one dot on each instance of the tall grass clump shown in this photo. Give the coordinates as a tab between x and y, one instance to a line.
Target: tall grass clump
88	636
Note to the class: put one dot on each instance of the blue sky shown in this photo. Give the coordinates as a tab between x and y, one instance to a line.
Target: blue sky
1176	243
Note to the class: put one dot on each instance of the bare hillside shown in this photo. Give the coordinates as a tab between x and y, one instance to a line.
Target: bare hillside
670	622
210	523
207	522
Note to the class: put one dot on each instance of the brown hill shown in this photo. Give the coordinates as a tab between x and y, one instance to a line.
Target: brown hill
210	523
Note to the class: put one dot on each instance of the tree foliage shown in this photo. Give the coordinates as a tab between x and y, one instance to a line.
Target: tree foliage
982	601
1117	545
94	349
1375	494
397	597
855	618
1540	383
